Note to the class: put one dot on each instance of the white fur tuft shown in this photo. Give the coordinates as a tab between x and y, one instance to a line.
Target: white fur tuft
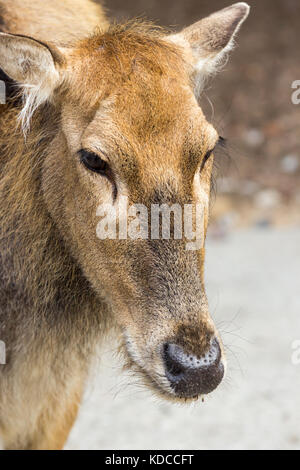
33	96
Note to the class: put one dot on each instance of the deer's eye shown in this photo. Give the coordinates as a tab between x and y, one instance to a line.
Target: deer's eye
208	154
221	143
93	162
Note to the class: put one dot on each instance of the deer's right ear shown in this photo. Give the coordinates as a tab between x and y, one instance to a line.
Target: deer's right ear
34	66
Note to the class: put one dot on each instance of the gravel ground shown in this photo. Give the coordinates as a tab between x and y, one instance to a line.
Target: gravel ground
253	280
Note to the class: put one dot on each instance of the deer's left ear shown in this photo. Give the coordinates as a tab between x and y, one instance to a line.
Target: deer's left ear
207	41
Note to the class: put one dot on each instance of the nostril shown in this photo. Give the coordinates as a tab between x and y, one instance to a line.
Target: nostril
172	365
174	354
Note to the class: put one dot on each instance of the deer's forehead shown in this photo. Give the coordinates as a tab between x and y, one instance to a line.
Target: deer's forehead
106	63
152	119
157	107
149	90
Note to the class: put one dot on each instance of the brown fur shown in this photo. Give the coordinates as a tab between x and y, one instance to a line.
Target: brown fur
59	21
126	93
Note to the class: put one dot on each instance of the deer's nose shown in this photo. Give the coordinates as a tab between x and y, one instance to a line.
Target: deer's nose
190	375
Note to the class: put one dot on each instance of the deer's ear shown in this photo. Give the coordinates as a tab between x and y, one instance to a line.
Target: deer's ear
33	65
208	40
26	60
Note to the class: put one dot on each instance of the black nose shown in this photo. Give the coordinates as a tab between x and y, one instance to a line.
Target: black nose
190	375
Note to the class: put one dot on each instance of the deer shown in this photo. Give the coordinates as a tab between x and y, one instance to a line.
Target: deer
96	111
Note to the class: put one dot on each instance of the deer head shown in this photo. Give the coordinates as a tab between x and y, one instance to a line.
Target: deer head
125	106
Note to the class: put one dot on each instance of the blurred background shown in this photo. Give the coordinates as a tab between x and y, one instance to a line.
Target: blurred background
253	254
